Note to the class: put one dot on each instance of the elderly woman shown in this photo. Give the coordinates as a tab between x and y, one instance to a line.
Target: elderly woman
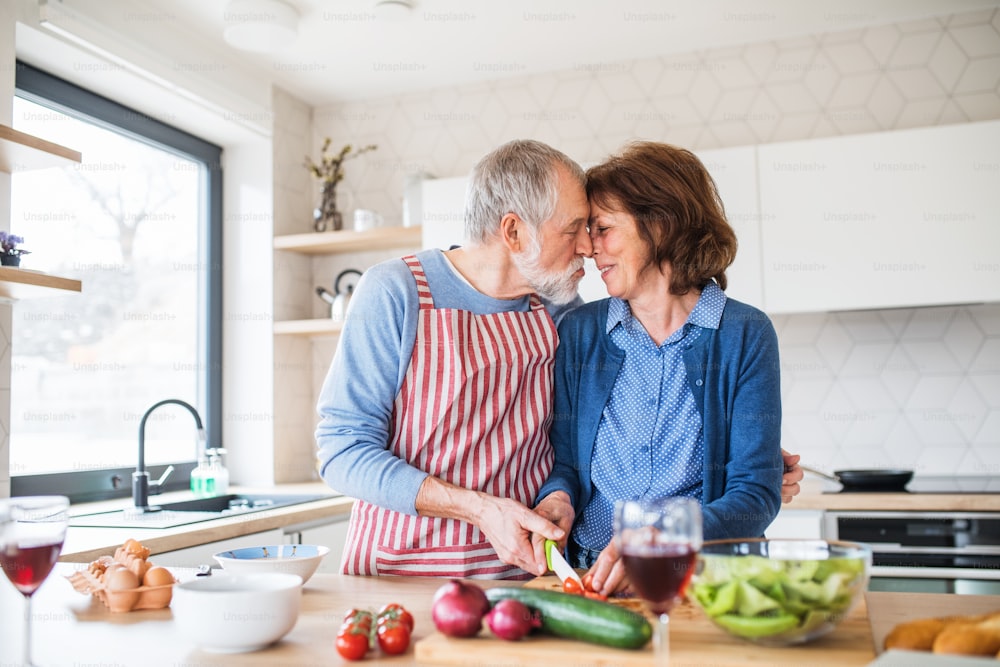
668	387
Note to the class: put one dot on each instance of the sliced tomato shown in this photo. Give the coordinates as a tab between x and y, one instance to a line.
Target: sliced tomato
588	588
571	586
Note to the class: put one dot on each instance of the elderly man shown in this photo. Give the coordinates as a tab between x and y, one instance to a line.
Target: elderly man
435	412
436	408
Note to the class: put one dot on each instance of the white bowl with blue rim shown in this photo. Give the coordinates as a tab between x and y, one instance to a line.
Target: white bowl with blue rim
300	559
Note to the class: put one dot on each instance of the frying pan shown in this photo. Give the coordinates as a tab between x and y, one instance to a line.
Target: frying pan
883	479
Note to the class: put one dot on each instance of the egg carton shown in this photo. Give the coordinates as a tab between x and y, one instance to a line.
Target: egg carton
128	599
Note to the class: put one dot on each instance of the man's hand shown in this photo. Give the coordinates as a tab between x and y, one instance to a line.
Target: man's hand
506	523
557	508
793	475
512	528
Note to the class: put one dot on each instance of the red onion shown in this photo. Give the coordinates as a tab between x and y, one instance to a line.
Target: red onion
511	620
458	609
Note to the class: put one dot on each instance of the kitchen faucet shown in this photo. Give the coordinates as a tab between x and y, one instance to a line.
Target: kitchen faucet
142	488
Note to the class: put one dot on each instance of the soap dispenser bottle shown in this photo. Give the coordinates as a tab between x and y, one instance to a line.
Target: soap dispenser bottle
200	478
218	474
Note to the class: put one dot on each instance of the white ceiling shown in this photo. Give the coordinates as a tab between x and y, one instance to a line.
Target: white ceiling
345	52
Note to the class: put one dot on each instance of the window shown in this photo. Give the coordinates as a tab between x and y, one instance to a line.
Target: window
139	223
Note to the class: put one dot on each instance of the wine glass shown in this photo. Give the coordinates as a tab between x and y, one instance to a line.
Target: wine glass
32	530
659	541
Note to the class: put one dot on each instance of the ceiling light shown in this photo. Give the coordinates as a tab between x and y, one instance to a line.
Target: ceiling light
393	10
260	25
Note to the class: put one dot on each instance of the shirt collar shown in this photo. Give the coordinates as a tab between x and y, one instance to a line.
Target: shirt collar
707	312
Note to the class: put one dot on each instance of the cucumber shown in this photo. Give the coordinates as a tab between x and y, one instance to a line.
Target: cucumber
578	617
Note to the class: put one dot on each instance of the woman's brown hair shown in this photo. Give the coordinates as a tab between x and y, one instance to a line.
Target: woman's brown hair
676	207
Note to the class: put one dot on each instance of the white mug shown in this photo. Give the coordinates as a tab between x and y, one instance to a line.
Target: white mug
366	219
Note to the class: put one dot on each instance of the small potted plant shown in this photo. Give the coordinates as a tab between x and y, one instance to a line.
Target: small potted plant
11	255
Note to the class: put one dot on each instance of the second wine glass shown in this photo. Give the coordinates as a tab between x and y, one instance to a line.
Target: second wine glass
659	542
32	530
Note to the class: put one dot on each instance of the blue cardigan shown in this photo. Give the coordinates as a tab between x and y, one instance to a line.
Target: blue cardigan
734	374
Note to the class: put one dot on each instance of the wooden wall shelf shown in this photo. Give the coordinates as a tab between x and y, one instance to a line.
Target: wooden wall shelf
323	327
24	152
324	243
17	283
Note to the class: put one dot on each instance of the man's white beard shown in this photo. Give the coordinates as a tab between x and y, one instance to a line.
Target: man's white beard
557	287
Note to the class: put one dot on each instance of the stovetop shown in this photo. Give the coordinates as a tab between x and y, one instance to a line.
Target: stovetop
936	484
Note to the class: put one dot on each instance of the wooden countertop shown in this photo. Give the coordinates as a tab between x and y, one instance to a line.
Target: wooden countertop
84	544
813	497
71	628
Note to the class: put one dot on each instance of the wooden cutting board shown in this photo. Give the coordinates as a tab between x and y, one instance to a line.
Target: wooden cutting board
886	610
534	650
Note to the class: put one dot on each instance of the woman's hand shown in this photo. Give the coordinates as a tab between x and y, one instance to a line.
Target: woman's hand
793	475
607	576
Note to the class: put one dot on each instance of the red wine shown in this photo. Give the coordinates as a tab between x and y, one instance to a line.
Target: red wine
27	567
659	573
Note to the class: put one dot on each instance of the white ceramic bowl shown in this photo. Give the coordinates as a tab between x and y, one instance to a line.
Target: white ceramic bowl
300	559
235	613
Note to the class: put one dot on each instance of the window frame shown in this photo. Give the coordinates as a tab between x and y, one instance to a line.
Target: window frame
43	88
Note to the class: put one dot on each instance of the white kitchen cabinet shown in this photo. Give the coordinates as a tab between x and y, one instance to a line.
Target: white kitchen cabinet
329	534
734	171
903	218
202	554
796	524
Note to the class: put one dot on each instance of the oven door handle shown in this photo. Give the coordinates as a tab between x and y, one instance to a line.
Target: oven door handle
972	550
920	572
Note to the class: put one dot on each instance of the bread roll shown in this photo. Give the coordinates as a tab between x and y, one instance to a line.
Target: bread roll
981	637
957	635
918	635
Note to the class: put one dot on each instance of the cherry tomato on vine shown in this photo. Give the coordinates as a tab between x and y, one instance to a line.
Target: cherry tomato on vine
393	637
352	645
393	611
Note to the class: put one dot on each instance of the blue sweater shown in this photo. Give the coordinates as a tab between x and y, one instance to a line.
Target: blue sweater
734	374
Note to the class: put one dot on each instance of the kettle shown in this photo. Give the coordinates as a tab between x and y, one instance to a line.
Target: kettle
341	295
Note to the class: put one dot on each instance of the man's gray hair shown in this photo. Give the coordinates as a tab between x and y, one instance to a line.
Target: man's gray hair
518	177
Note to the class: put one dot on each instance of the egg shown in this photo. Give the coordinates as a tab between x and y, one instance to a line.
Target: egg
121	585
121	579
158	576
157	589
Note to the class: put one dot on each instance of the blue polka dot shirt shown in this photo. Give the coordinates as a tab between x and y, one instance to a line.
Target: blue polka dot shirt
649	441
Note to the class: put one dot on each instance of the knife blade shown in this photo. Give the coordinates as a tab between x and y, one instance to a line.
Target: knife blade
558	564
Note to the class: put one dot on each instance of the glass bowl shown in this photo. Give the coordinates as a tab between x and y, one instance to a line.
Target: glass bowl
779	592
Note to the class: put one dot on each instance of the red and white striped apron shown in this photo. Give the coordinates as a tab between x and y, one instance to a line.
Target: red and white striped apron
474	409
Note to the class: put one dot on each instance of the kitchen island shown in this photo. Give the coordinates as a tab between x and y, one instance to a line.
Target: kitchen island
73	629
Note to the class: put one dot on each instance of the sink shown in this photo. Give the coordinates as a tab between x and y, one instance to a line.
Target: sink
186	512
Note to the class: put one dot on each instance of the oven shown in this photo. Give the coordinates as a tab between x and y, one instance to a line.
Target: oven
937	552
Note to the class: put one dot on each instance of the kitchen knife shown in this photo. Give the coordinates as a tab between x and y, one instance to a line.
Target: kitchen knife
558	564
